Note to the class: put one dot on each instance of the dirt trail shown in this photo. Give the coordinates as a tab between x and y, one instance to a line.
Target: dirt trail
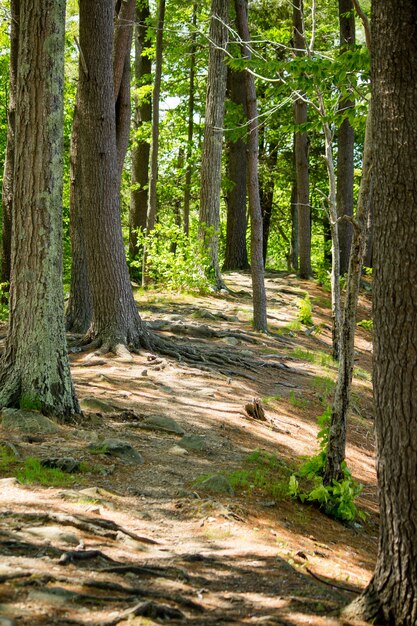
137	537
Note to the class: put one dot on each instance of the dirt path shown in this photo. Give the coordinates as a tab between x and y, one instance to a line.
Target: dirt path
137	537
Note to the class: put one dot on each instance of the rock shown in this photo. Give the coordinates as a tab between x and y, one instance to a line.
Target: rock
7	483
53	533
130	542
54	595
66	464
193	442
160	422
118	448
216	484
178	451
27	421
231	341
97	406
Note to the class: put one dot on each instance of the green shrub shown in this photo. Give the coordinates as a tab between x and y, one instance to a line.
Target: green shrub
305	311
366	324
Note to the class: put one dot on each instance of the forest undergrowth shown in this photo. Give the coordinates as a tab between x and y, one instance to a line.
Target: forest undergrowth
169	500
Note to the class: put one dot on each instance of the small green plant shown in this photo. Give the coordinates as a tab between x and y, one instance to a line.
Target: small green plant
324	387
32	471
296	401
29	402
358	372
7	457
366	324
4	301
336	500
319	357
305	314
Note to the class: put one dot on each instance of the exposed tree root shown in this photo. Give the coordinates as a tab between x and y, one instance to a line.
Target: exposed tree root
366	607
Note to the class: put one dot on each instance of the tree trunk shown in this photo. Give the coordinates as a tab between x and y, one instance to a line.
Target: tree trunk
153	173
346	142
141	146
257	264
301	154
190	131
236	256
116	322
34	368
391	597
213	136
266	191
8	178
337	436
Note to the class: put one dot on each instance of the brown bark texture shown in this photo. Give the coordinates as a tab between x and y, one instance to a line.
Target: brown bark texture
345	143
8	178
34	369
236	256
141	147
301	154
116	322
190	129
256	255
391	597
213	135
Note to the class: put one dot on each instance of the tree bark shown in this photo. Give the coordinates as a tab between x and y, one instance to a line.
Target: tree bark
116	322
213	136
236	256
34	368
190	130
345	144
153	172
8	178
391	597
141	146
301	154
257	264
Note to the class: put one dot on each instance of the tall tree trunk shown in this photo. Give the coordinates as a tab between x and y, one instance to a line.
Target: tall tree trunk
213	136
257	265
141	147
345	144
337	436
294	251
116	322
266	191
8	177
236	256
153	172
190	130
301	154
391	597
34	369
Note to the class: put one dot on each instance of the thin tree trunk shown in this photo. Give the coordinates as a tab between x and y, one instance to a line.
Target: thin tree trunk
116	322
141	147
8	177
257	265
190	130
301	154
213	136
337	436
391	596
345	144
294	251
34	369
153	173
236	256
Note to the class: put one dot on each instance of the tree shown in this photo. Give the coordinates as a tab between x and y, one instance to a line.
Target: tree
190	126
301	153
116	322
34	369
213	135
8	178
345	143
256	255
391	596
141	145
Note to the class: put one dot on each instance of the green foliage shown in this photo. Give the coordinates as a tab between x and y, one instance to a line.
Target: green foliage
305	313
29	402
32	472
336	500
324	386
263	472
318	357
4	302
173	260
367	324
297	402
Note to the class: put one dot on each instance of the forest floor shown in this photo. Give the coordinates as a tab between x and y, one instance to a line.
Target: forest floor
129	532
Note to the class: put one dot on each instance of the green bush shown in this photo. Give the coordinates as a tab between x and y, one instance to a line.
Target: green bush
305	311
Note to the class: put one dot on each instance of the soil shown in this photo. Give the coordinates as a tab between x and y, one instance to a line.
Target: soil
139	540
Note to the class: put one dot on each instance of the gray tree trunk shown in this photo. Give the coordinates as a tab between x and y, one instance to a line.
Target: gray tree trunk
34	368
391	597
190	130
116	322
345	144
236	256
213	136
301	154
141	147
8	177
256	257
